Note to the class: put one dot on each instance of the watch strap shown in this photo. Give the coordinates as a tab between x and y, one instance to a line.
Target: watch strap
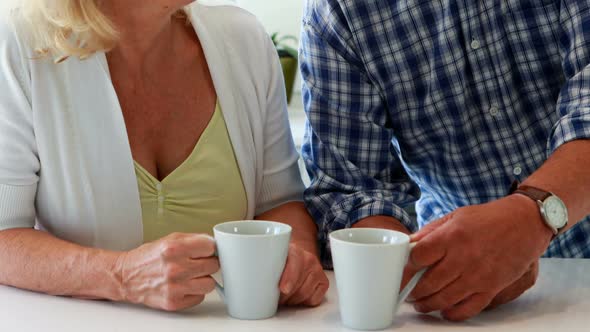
535	194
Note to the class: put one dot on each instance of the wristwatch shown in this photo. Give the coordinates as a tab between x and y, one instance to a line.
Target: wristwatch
552	208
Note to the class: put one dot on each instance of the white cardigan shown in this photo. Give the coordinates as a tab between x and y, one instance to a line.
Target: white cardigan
65	159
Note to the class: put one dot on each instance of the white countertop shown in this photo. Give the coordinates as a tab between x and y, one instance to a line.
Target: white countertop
560	300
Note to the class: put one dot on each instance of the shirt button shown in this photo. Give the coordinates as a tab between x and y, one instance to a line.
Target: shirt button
161	199
475	44
494	111
517	170
159	186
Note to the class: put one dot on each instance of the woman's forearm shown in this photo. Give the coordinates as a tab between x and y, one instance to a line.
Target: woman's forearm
37	261
295	215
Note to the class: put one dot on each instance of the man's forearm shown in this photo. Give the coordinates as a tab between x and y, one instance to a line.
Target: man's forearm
567	175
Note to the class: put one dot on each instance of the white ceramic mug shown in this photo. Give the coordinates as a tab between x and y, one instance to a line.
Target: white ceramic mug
369	265
252	255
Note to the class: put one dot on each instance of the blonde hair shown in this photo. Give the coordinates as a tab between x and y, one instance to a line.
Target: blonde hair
69	28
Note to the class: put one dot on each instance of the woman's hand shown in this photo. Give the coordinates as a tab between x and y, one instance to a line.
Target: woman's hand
304	281
171	274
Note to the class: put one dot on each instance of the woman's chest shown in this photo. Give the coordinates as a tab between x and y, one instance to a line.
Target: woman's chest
164	120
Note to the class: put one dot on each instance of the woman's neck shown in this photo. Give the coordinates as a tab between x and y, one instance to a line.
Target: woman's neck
148	34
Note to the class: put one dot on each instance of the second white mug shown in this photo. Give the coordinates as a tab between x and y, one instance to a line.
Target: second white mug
369	265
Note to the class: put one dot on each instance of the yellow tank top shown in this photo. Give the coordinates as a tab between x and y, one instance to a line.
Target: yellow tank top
206	189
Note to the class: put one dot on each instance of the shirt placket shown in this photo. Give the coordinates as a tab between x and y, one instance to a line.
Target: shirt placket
493	104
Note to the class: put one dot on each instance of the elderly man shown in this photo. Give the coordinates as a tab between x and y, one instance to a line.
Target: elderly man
482	106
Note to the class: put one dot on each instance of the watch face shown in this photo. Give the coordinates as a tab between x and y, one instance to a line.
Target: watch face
555	212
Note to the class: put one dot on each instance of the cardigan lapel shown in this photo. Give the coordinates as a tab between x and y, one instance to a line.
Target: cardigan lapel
219	55
108	160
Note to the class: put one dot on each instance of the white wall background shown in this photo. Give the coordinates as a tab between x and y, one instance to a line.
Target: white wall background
5	4
283	16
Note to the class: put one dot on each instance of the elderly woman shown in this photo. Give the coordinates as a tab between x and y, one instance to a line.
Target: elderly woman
127	130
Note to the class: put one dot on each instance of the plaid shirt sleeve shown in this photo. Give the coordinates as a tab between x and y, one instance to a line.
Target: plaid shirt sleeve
574	102
573	107
348	148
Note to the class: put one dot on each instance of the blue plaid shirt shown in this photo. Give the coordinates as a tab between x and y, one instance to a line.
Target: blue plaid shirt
454	99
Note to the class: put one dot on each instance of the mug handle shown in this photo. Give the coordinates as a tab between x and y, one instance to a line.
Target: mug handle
412	284
218	287
220	290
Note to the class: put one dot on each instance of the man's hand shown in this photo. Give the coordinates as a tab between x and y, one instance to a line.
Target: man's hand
515	290
475	254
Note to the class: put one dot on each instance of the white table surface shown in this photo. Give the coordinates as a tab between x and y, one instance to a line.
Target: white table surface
559	302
